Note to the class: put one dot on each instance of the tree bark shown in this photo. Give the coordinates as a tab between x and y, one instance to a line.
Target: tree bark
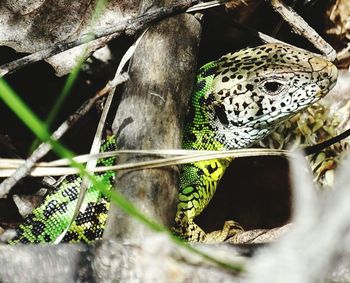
155	261
315	249
151	116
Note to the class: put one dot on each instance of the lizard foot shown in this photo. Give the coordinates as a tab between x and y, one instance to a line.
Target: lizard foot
191	232
230	229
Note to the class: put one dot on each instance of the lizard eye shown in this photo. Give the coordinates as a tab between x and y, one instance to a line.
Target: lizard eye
272	87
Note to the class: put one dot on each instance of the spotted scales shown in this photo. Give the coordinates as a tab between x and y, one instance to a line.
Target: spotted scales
52	217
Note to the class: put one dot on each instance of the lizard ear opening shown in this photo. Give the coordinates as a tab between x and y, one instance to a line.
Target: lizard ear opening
221	114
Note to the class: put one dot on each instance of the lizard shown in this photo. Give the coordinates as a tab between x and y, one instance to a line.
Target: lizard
237	100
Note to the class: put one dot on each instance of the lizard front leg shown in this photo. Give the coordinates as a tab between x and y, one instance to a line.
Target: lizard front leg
198	184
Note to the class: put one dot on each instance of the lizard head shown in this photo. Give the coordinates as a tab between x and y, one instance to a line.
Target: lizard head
255	89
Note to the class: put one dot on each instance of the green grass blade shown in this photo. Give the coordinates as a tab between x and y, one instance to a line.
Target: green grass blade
40	130
73	75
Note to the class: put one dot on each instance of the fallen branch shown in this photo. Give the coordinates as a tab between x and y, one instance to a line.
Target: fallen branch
302	28
129	25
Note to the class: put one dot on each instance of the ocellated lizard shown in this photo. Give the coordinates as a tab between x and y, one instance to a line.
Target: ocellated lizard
237	101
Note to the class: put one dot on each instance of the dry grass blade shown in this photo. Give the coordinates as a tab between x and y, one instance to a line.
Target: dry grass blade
47	168
96	144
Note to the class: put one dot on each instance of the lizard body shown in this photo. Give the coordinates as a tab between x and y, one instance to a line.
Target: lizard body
237	101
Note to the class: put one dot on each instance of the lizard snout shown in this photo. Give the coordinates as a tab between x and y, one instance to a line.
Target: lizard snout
325	73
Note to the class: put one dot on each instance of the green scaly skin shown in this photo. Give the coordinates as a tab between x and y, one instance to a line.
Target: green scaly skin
237	101
52	217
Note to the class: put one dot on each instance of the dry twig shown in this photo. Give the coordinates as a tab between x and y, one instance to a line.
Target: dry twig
44	148
302	28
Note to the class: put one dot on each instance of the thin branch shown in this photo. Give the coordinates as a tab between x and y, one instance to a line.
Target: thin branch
327	143
127	25
44	148
211	4
302	28
264	37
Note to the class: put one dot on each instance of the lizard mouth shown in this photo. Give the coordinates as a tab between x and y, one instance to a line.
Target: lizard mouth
333	76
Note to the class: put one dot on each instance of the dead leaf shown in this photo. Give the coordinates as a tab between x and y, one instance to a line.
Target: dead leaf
339	17
29	26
